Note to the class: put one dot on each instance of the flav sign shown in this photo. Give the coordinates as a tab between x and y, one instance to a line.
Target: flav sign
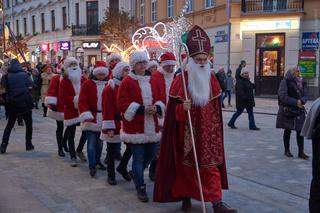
91	45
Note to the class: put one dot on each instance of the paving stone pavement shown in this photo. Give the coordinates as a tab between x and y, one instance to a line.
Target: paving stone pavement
261	179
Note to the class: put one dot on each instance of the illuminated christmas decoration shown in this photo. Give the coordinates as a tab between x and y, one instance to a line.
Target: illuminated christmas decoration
124	53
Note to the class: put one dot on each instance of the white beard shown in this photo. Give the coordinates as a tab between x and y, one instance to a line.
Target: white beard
199	86
74	75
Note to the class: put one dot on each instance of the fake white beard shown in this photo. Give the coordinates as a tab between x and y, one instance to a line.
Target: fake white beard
74	75
199	86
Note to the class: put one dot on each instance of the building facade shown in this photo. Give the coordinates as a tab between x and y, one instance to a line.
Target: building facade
268	34
60	28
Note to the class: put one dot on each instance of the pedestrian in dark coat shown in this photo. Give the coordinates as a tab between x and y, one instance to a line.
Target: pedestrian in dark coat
222	78
244	100
18	101
36	94
238	71
291	114
311	130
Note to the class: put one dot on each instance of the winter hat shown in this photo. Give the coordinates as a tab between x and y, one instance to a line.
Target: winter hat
117	70
59	66
68	61
167	58
244	70
113	56
100	67
152	63
138	56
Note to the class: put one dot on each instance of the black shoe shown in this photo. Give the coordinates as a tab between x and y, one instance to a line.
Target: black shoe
255	128
303	155
3	148
101	167
74	162
112	181
93	172
186	204
82	156
61	153
232	126
223	208
29	146
124	173
118	156
142	194
288	154
44	115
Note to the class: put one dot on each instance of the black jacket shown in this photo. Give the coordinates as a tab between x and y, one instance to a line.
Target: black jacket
18	85
222	78
244	93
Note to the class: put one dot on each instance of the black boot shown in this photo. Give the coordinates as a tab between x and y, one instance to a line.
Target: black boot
3	148
303	155
288	153
93	172
186	204
29	146
61	153
142	194
124	173
112	180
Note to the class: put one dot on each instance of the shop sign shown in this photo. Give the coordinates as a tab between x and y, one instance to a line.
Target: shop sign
91	45
65	45
220	37
269	25
45	47
308	63
310	40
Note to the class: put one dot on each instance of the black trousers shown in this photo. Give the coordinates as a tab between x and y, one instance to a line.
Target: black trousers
71	132
111	152
61	138
125	158
286	140
27	117
314	200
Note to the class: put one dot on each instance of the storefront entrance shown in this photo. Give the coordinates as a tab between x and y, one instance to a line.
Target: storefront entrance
269	63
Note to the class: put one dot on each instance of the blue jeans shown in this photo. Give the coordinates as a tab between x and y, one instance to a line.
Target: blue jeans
239	112
142	155
227	94
94	148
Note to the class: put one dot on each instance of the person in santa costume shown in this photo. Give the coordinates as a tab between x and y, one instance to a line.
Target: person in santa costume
141	101
153	65
164	74
176	178
69	91
111	124
90	109
55	109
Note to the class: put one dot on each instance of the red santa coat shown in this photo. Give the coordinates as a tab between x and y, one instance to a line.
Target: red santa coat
69	98
110	112
135	91
53	98
90	105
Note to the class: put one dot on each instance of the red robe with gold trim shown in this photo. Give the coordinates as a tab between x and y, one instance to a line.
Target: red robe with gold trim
176	176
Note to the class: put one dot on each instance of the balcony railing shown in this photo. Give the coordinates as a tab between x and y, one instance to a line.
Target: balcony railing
272	6
83	29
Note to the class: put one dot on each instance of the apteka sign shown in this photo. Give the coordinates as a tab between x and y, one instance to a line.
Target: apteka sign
310	40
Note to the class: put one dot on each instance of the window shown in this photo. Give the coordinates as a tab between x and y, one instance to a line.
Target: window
64	17
209	3
77	14
190	6
92	14
43	27
153	10
25	26
170	8
142	11
17	27
53	20
33	24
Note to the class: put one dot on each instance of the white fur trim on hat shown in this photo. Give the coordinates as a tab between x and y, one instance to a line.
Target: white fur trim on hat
168	62
153	63
99	70
67	62
118	69
138	56
114	56
244	70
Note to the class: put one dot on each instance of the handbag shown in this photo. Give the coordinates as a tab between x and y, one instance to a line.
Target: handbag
292	112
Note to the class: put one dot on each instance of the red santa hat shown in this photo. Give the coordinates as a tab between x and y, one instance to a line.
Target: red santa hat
118	69
113	56
167	58
68	61
138	56
100	67
60	66
153	63
198	41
